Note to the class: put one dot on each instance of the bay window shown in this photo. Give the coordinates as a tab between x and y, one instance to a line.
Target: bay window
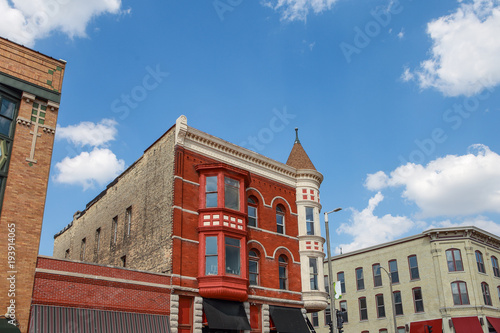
232	256
211	255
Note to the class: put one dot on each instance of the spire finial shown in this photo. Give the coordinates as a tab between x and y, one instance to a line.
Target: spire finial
297	135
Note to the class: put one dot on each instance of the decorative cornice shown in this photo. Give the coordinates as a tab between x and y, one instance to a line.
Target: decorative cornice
23	121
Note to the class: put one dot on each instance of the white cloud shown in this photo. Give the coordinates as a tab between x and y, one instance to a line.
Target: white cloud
100	166
449	186
292	10
479	221
25	21
368	229
88	133
407	75
465	49
401	34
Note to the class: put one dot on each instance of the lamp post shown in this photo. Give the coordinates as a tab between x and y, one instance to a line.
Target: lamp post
392	299
330	288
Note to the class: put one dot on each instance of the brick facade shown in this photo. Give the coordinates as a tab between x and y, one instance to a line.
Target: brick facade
34	83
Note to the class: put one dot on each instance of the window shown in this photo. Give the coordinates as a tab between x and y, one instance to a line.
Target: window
498	291
454	260
310	220
313	273
280	219
382	330
128	219
340	277
413	264
82	249
494	264
360	282
97	240
343	308
327	284
377	278
231	193
66	254
363	311
401	329
124	261
115	229
393	268
486	293
253	268
315	319
328	318
232	256
418	300
211	255
480	262
252	211
379	300
459	291
283	272
211	191
398	303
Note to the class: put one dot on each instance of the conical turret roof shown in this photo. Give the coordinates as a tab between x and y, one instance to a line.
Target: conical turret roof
298	157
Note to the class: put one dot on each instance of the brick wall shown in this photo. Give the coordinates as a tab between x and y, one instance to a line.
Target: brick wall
146	187
25	191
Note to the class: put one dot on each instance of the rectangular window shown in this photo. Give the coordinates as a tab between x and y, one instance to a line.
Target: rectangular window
340	277
413	264
315	319
211	255
313	273
486	293
310	220
115	229
211	191
363	311
124	261
128	219
393	268
343	308
379	299
459	291
494	264
232	193
454	260
398	303
360	281
283	276
280	220
252	216
97	241
327	284
480	262
232	256
328	318
377	277
82	249
253	272
418	300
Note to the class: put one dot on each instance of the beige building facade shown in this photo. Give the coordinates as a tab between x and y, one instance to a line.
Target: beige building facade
447	278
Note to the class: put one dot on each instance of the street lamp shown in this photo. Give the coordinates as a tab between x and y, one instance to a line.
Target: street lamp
330	288
392	298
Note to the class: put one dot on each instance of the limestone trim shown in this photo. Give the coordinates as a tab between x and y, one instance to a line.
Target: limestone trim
275	300
289	207
186	210
266	325
186	240
186	181
289	252
276	290
184	277
198	314
174	313
272	232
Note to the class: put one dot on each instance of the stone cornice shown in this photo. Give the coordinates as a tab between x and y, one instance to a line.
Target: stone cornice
470	232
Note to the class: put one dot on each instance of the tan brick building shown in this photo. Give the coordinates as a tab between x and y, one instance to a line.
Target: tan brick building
446	278
30	92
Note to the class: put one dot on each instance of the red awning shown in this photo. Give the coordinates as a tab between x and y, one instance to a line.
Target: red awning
467	325
495	322
419	326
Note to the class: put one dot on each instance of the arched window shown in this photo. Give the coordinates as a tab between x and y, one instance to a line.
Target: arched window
480	262
486	293
459	291
454	260
252	211
253	267
283	272
280	219
494	264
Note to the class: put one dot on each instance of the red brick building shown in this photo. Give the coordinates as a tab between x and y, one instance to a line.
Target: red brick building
233	236
30	92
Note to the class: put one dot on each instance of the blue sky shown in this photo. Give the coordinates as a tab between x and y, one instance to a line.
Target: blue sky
397	102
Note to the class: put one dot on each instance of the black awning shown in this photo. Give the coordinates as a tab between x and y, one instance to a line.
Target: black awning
49	319
225	315
288	320
8	328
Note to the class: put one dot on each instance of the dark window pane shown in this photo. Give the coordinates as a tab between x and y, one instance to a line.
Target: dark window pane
393	267
5	126
232	256
7	108
252	216
232	193
211	245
